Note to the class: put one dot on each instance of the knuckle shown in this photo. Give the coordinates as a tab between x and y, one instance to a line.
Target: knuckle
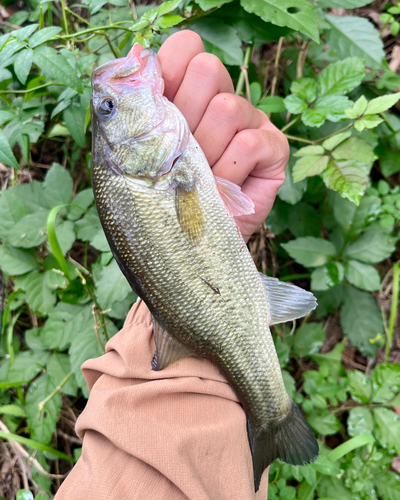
248	141
188	36
227	105
206	64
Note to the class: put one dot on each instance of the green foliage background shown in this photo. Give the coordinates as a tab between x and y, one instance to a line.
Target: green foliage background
325	82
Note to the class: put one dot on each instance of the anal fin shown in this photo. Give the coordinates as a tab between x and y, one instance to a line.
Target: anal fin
168	350
287	302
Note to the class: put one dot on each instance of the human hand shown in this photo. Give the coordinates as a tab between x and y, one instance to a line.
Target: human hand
239	141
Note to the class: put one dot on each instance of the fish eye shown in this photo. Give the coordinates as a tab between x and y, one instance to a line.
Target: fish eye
106	107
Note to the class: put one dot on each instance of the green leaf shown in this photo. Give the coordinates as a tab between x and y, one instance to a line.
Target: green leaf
308	339
30	231
355	36
355	148
26	366
58	186
359	386
24	33
341	77
388	484
24	495
361	320
295	104
38	291
220	39
15	410
57	67
343	4
63	321
309	166
309	151
80	203
304	220
6	154
15	261
387	429
22	64
367	122
305	88
58	367
87	227
313	117
289	191
211	4
272	104
309	251
112	286
362	275
360	421
390	163
371	247
358	109
169	20
12	210
331	360
167	7
290	383
324	422
334	141
327	276
381	104
74	117
42	424
43	36
385	380
349	178
298	15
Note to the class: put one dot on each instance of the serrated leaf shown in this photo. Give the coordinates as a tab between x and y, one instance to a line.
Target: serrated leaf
313	117
24	33
355	148
60	327
387	429
362	275
42	425
371	247
169	20
80	203
12	210
305	88
43	36
298	15
272	104
304	220
295	104
359	422
58	367
6	154
38	291
359	386
74	117
58	186
367	122
309	151
341	77
87	227
355	36
289	191
388	484
112	286
343	4
361	320
382	103
309	251
22	65
327	276
390	163
211	4
220	39
308	339
27	365
334	141
309	166
349	178
358	109
57	67
385	380
15	261
30	231
167	7
324	422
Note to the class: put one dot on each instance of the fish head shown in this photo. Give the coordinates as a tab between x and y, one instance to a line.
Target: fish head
127	96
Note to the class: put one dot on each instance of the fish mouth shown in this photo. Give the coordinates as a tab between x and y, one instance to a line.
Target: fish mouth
138	67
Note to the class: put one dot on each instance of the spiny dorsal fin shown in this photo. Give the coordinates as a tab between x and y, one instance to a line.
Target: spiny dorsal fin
168	350
236	202
287	302
190	214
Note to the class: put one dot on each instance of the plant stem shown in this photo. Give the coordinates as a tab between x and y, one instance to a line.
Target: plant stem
276	66
89	30
290	124
43	403
30	90
299	139
393	309
243	77
334	133
78	17
64	14
313	143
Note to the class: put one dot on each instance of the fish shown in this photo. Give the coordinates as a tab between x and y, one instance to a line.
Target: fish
170	225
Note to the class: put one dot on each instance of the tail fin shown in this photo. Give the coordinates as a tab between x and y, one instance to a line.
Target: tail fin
290	440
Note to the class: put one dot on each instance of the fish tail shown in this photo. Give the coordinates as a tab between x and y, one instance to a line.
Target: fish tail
290	440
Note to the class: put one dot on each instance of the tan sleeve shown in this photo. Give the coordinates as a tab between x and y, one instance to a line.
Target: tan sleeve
177	434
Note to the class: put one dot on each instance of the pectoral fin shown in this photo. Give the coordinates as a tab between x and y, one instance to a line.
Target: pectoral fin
189	213
168	350
287	302
236	202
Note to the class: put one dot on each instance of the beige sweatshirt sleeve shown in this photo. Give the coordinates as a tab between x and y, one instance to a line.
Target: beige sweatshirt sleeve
177	434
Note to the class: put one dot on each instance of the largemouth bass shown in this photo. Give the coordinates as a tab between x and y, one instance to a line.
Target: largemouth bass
169	224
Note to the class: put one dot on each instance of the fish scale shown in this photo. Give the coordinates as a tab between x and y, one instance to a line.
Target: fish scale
182	253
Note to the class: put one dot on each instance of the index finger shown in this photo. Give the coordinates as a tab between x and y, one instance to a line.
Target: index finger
174	56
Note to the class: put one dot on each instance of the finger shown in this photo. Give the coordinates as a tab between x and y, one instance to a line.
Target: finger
226	115
261	153
174	56
205	77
